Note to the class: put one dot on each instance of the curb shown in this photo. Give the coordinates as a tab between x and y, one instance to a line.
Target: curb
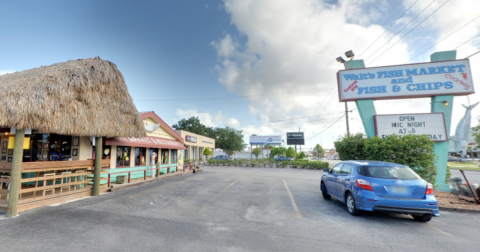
125	186
458	210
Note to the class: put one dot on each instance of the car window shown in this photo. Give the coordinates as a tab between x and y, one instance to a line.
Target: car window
346	169
337	169
388	172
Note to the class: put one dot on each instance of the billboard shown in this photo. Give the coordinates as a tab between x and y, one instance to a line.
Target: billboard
432	125
295	138
406	81
275	139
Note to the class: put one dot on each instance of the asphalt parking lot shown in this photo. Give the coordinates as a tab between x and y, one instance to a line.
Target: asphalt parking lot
230	209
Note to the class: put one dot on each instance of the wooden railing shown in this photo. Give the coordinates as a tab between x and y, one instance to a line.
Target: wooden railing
51	182
4	187
129	173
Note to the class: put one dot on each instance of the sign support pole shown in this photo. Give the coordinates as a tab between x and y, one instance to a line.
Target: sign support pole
437	105
366	108
15	178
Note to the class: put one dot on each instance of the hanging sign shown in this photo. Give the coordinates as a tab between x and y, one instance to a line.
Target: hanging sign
406	81
432	125
26	143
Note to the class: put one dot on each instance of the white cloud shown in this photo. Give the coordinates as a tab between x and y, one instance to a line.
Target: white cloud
208	119
2	72
291	47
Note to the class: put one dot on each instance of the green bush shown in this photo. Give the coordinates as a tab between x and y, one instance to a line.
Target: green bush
411	150
351	148
187	161
318	165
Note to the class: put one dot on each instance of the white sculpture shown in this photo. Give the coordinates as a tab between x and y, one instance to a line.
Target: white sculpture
151	127
462	132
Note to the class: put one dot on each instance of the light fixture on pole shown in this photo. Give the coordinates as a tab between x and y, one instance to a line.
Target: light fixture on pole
444	102
350	55
340	59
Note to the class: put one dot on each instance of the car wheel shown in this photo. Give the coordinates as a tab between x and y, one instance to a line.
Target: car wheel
422	218
352	209
323	188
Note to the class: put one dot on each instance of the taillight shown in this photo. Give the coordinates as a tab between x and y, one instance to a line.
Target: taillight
429	189
364	184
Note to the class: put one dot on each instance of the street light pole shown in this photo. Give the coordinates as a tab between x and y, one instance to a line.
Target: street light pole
346	116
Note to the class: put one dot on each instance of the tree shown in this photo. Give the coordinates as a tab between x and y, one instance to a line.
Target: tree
318	151
290	152
277	151
229	140
256	152
207	152
194	125
301	155
476	133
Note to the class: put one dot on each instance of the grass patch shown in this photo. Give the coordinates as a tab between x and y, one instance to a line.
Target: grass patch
464	166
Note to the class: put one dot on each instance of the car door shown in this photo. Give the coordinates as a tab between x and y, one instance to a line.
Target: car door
343	180
331	178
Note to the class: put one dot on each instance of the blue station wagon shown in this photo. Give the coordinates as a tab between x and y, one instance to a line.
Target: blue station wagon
380	186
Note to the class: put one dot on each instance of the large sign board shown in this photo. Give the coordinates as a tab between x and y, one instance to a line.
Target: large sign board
432	125
295	138
274	139
406	81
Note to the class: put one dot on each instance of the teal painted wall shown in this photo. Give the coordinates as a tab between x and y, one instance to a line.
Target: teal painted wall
134	175
366	108
437	105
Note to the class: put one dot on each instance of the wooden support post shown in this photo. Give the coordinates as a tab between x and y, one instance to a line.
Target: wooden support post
98	166
145	175
109	178
13	193
168	169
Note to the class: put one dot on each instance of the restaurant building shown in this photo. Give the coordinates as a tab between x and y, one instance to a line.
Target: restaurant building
51	118
162	145
195	145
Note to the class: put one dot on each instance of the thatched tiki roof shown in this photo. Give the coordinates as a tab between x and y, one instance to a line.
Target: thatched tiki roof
86	97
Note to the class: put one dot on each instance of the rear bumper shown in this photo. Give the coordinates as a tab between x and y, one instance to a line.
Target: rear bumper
403	210
369	201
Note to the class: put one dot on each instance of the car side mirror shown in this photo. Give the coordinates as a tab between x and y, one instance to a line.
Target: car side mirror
326	170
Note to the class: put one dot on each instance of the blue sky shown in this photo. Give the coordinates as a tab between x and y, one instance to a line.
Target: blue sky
278	56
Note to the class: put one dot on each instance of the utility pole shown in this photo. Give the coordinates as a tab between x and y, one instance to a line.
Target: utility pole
300	145
346	116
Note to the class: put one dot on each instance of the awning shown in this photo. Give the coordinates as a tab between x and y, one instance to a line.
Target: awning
150	142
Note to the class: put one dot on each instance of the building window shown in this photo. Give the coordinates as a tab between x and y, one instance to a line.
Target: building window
156	151
60	147
123	156
106	152
174	156
140	156
165	158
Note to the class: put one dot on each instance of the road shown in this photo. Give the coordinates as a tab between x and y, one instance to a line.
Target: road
230	209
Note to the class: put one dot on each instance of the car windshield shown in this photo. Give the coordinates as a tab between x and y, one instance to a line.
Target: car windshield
388	172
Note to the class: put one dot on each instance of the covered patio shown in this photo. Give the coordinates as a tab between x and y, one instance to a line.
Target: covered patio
54	119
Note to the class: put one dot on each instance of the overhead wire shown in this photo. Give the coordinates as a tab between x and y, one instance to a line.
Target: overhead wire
444	38
388	28
466	42
400	30
327	127
224	97
409	31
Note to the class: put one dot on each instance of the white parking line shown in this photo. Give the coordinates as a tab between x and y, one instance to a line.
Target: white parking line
293	201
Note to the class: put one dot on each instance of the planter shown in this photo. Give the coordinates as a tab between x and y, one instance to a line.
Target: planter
122	179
